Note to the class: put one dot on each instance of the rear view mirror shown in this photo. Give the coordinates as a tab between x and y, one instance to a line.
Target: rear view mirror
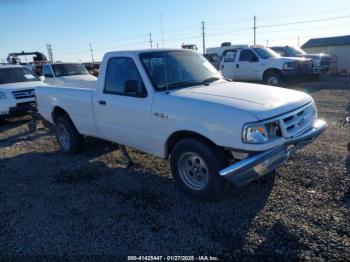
42	78
131	87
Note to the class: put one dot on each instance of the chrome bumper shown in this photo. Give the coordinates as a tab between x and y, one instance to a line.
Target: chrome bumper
261	164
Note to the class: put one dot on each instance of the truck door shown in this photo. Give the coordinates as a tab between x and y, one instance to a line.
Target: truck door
122	108
228	64
247	66
48	74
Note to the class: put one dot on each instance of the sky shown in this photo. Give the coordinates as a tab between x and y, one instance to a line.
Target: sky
111	25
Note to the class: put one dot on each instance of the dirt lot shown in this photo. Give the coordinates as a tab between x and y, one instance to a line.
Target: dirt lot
90	204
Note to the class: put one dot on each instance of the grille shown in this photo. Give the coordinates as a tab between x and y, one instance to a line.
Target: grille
305	66
23	94
298	121
326	61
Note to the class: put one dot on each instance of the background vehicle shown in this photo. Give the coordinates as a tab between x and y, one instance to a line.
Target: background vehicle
321	63
68	74
173	103
262	64
93	68
214	59
17	89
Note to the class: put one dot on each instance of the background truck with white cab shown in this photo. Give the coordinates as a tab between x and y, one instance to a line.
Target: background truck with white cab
68	74
173	104
262	64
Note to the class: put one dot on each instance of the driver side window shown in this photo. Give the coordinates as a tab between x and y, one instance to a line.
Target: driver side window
248	56
123	78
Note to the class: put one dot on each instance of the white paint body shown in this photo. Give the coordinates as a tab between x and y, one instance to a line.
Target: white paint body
253	71
218	111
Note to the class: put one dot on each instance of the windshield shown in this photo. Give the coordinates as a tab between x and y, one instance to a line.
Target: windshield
15	75
181	69
69	70
265	53
292	51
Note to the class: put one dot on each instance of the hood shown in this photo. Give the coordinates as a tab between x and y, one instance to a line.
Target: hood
315	56
89	81
260	100
289	59
22	85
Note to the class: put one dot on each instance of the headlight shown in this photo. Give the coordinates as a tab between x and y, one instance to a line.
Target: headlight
3	95
261	133
290	65
255	134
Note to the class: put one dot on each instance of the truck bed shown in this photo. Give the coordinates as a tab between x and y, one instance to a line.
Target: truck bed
76	101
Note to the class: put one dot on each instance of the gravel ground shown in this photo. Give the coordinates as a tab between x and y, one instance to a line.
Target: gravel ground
91	205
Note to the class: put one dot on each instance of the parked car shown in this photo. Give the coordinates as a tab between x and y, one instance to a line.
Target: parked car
174	104
93	68
214	59
262	64
17	89
68	74
321	62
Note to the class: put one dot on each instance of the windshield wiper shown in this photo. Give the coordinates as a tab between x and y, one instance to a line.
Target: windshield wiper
183	84
210	80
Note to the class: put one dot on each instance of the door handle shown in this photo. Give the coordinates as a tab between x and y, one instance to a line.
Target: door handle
237	65
102	102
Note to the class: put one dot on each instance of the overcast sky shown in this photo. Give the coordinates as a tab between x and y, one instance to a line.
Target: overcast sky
70	25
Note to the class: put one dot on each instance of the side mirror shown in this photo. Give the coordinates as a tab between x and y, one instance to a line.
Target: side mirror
131	87
42	78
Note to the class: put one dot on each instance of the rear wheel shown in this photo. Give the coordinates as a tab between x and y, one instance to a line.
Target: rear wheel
195	167
69	139
273	78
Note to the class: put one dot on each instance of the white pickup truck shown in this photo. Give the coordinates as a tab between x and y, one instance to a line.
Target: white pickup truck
68	74
173	103
17	89
262	64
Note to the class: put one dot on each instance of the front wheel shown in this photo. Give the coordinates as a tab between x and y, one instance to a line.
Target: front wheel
273	79
195	167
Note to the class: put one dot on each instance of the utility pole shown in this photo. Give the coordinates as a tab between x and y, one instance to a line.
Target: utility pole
157	45
92	53
254	30
298	41
203	36
49	52
267	43
150	40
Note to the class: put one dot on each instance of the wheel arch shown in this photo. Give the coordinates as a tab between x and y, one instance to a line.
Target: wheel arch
271	70
179	135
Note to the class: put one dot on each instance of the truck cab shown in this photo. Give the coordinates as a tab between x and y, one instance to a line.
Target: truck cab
261	64
68	74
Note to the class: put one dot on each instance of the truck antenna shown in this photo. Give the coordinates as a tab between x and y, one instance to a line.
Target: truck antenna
164	60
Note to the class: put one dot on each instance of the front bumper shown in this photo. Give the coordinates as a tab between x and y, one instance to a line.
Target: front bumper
20	109
261	164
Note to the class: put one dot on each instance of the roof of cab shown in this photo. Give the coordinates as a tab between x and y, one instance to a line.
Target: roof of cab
129	52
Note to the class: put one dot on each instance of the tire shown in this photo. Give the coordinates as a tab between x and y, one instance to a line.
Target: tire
68	137
273	78
203	160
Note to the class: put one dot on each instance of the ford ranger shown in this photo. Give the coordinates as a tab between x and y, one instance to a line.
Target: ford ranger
173	104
